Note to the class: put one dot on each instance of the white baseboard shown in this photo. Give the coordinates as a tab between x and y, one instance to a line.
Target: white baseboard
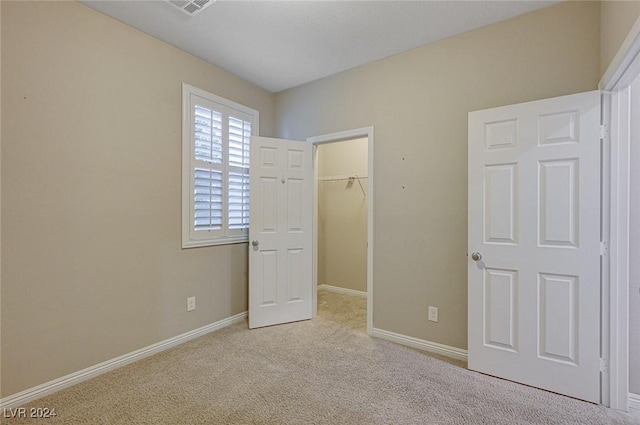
343	291
50	387
421	344
634	404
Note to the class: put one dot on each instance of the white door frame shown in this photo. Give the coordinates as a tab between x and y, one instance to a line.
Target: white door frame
365	132
624	68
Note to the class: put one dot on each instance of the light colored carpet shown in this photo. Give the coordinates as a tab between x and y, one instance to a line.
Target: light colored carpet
321	371
343	310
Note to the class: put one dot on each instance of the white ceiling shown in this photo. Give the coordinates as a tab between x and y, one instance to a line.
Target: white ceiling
282	44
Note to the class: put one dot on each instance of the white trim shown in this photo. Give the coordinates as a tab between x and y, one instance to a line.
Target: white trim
344	291
622	71
223	236
618	72
619	250
230	240
66	381
634	404
421	344
337	137
605	238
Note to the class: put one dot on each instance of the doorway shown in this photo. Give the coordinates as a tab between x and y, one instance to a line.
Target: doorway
342	231
343	216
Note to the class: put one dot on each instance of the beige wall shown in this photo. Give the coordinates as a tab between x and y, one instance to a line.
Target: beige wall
418	102
616	19
92	264
342	215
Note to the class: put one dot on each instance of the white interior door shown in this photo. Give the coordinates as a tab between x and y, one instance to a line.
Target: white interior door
280	234
534	217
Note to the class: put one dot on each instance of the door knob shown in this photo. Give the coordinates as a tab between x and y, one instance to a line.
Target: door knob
476	256
255	243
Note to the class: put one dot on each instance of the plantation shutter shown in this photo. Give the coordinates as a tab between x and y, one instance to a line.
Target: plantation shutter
208	199
208	184
218	170
239	137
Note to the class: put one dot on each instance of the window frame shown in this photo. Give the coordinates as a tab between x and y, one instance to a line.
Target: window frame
228	108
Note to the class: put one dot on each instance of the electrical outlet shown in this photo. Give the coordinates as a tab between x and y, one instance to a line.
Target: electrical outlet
191	303
433	314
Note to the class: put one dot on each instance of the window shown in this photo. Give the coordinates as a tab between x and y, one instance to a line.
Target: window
216	133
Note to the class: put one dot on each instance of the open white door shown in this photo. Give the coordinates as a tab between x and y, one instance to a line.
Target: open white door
534	244
280	234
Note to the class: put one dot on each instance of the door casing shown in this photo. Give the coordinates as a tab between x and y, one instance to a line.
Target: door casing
622	71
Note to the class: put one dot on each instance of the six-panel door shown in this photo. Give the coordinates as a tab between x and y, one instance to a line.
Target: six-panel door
534	215
280	234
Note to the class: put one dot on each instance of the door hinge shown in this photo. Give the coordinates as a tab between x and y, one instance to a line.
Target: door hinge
604	132
604	366
604	248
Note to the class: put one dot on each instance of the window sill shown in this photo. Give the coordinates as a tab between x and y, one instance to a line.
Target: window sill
221	241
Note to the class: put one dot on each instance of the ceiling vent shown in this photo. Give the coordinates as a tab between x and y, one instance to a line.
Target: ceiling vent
191	7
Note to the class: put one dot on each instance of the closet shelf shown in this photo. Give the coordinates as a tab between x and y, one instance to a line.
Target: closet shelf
345	178
341	178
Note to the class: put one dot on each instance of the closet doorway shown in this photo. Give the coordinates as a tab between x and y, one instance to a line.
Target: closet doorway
342	222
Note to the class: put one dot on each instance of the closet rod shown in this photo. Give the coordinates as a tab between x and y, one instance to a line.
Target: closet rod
344	178
341	178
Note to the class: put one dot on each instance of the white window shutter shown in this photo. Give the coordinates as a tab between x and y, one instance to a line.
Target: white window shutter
207	200
216	145
239	146
207	135
239	137
238	200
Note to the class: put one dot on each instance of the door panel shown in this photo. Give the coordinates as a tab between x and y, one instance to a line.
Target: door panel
267	267
280	257
501	309
268	209
534	215
558	203
296	275
501	215
558	317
